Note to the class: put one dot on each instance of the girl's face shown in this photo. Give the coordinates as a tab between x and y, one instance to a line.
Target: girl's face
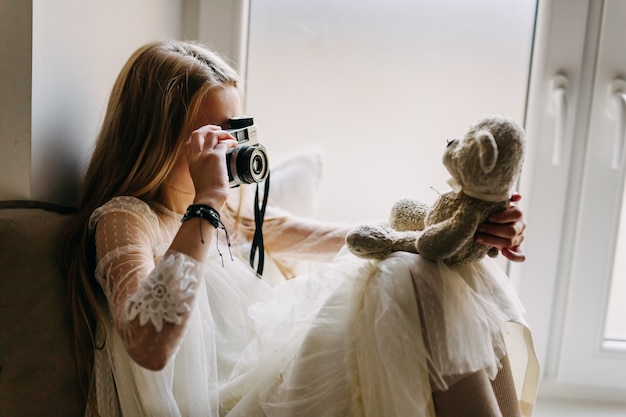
219	105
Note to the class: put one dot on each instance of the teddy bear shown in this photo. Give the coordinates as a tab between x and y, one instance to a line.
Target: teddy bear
484	164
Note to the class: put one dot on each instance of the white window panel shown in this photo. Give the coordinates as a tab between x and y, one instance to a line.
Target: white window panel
585	355
377	86
552	117
574	201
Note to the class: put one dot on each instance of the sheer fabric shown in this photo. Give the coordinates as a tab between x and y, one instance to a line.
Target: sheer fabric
375	349
293	243
349	338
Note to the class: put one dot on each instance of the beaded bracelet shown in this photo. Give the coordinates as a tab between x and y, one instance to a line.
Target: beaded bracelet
204	212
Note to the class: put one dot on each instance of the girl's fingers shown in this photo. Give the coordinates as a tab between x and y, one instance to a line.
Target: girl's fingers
207	138
225	143
514	254
208	134
505	231
499	241
509	215
195	143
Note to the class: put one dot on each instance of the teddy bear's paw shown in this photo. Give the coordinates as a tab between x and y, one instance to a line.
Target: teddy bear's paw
370	241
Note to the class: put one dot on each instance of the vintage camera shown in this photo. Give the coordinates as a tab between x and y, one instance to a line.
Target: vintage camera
247	163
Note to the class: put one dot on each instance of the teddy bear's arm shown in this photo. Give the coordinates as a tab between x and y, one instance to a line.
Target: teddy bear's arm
442	240
377	241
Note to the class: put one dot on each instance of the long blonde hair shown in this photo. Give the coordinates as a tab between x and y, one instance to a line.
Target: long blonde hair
148	119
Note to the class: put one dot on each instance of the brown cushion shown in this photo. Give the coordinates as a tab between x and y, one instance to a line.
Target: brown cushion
37	373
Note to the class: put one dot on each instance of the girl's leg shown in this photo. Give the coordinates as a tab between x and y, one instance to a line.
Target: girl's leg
472	396
504	389
476	395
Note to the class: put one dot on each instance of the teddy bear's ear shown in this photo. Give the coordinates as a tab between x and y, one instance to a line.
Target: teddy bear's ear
487	150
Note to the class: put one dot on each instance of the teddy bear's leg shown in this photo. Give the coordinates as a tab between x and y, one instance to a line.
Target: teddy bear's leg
504	389
408	214
377	241
470	397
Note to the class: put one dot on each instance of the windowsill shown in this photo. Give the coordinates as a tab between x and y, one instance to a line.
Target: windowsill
561	408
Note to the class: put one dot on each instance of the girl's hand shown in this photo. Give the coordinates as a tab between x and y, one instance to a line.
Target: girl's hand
206	158
505	231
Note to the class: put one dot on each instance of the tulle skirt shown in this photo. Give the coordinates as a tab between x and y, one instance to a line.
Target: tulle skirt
351	338
361	338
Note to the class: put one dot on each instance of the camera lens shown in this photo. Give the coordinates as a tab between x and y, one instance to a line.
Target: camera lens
257	165
247	164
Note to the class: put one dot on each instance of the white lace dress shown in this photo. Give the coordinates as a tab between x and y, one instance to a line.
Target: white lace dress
350	338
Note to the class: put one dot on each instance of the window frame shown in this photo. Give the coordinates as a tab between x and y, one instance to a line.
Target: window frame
560	285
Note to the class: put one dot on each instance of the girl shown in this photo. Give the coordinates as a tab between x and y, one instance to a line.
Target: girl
167	327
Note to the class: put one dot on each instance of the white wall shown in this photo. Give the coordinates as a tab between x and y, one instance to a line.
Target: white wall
220	24
58	62
53	94
78	49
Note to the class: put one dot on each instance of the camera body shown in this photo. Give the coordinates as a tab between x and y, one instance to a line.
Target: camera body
247	163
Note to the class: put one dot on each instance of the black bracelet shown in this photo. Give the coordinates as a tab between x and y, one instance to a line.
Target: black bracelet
211	215
204	212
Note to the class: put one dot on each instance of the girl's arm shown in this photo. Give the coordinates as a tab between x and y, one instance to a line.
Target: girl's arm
150	301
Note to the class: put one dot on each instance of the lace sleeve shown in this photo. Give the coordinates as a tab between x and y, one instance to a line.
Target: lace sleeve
165	295
149	297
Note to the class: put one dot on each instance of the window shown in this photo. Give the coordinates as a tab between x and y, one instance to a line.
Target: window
576	110
378	86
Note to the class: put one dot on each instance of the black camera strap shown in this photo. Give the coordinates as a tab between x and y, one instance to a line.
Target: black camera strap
259	214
